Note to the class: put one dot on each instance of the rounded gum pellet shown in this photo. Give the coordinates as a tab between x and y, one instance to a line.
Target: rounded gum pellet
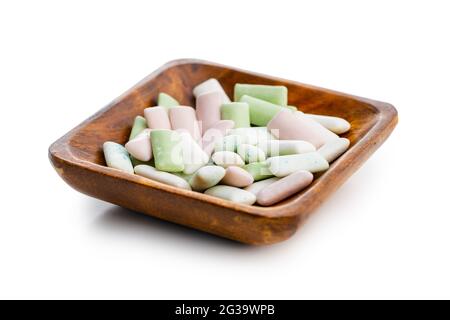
164	177
333	149
232	194
237	177
208	109
288	125
334	124
282	166
284	188
227	158
183	118
157	118
206	177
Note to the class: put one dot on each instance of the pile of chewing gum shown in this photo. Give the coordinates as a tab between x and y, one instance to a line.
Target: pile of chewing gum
255	150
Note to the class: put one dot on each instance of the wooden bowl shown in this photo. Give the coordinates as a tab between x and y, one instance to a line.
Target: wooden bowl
78	156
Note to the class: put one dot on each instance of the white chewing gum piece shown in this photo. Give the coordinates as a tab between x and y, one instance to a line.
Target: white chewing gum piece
285	147
193	155
232	194
117	157
206	177
252	135
161	176
333	149
334	124
285	165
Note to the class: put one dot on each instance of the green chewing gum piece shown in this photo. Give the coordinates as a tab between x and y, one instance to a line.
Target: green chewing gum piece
259	170
167	101
275	94
138	126
238	112
167	151
261	112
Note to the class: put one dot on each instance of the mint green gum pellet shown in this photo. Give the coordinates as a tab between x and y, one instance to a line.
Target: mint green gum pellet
164	100
258	170
293	108
167	151
275	94
238	112
138	126
261	112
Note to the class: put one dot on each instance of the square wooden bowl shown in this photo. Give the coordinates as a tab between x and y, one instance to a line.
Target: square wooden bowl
78	156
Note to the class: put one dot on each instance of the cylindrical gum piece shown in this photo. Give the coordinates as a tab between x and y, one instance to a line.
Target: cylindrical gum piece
259	185
193	155
252	135
284	188
285	165
232	194
285	147
258	170
140	147
334	148
206	177
117	157
238	112
275	94
211	85
288	125
334	124
261	112
215	134
250	153
208	109
183	118
237	177
157	118
161	176
228	143
138	126
167	150
227	158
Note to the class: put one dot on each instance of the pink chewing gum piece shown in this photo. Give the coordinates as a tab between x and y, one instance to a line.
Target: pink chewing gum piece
140	147
157	118
286	125
208	108
237	177
213	134
284	188
183	118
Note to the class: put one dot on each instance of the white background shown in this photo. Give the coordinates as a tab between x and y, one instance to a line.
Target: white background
384	234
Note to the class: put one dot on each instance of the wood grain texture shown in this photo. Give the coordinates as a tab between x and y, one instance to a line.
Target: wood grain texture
78	156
